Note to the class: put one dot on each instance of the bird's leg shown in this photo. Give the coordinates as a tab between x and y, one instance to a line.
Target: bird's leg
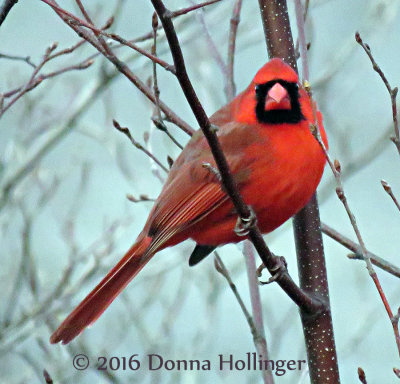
243	224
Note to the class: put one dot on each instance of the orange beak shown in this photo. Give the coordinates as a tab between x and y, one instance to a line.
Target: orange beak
277	98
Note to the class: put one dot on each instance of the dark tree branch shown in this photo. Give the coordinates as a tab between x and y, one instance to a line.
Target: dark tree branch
274	264
318	330
6	8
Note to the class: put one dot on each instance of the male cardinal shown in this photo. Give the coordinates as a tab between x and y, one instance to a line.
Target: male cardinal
276	162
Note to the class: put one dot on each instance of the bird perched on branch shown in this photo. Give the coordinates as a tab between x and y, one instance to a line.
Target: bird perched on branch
276	163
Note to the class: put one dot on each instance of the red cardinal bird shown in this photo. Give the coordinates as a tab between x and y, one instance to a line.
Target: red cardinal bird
276	162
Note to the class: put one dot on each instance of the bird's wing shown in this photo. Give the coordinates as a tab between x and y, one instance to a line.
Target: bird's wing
192	194
193	189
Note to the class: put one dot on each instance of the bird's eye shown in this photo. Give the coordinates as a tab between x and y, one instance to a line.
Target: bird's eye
257	88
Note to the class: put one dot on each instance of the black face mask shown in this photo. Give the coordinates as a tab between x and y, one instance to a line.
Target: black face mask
278	116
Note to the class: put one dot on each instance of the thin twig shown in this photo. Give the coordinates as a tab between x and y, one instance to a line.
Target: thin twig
32	84
156	90
336	170
74	23
254	287
26	59
211	44
235	19
54	138
83	10
37	69
388	190
302	38
139	146
365	158
392	91
221	268
357	255
195	7
152	57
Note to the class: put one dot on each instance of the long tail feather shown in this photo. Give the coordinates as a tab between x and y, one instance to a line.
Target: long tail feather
97	301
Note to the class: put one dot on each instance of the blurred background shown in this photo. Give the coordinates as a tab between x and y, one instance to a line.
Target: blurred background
65	172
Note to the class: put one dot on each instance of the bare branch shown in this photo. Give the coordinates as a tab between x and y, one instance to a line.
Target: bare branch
235	19
195	7
76	23
357	255
336	170
257	332
26	59
392	91
261	342
127	133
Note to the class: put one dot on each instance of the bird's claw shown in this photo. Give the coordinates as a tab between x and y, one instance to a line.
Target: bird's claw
260	269
276	273
214	171
243	224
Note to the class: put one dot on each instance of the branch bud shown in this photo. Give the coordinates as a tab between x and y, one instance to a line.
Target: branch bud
131	198
86	64
337	166
109	23
214	128
154	21
313	129
170	161
340	193
307	86
361	375
386	186
51	48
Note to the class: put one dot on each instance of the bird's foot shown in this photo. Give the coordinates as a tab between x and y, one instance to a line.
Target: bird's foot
276	272
243	224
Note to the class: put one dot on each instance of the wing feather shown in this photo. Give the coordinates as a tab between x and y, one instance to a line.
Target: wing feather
192	191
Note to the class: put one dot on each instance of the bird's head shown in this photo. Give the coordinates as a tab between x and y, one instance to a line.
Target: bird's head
277	94
273	95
